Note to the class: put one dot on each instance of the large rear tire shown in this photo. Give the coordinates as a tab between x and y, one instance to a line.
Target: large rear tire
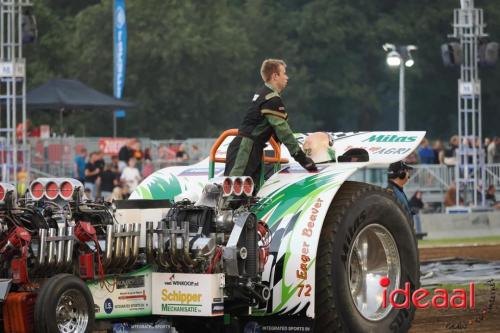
64	304
366	236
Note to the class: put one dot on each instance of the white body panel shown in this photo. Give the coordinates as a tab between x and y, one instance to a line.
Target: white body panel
294	204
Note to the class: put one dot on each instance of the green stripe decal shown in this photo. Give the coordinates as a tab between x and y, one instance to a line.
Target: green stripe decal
160	188
295	198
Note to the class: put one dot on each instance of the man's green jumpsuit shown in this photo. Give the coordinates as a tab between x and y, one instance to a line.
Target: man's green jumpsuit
266	117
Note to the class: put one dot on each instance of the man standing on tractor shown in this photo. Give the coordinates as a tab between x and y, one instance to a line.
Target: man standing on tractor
265	118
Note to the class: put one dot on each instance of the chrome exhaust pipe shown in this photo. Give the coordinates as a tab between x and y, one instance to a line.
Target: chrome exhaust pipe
60	246
52	233
185	242
161	259
118	255
69	245
173	244
109	245
43	244
149	241
127	243
135	242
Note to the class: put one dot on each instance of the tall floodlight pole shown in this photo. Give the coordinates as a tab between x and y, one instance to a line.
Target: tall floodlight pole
468	28
402	108
12	87
400	56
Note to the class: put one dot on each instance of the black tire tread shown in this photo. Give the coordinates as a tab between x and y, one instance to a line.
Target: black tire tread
39	305
49	288
327	316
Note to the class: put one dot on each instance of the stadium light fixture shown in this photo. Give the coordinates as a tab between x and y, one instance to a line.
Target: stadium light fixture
393	59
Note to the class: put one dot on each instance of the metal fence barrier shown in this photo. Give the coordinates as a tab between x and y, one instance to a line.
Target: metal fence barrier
433	180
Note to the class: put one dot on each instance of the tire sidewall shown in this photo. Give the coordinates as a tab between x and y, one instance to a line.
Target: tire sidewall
374	208
53	294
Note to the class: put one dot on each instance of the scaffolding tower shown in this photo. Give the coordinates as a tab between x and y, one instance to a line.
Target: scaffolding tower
468	28
14	151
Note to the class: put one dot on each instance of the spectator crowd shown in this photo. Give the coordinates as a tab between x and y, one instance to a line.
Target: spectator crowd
440	153
115	177
446	154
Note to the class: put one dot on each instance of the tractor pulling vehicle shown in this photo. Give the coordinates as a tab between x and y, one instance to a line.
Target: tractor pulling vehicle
298	252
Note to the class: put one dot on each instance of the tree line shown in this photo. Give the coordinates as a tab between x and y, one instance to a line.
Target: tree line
193	66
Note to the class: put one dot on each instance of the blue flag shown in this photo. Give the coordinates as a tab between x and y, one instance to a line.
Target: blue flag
120	47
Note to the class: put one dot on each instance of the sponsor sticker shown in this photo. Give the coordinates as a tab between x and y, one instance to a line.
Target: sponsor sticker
187	294
390	138
122	296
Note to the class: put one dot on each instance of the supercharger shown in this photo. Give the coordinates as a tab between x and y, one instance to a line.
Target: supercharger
217	234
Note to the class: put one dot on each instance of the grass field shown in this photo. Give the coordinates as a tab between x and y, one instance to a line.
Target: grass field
490	240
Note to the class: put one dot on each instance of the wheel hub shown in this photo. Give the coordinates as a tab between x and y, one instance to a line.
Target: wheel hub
71	312
373	256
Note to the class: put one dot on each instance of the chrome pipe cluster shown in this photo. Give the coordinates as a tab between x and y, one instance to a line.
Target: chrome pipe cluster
55	250
177	249
121	246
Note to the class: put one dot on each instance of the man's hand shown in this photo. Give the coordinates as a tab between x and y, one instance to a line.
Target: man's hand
305	161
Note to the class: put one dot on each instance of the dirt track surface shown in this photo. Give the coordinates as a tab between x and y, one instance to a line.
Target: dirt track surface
450	320
484	252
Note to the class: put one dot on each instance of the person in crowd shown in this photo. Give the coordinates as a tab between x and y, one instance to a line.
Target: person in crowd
412	158
496	158
487	142
398	175
450	158
416	205
27	126
450	197
126	192
438	149
108	181
265	118
130	175
195	154
171	152
147	168
100	164
92	172
88	193
162	152
490	197
115	162
425	153
490	151
116	172
80	161
138	154
181	155
116	194
125	153
147	154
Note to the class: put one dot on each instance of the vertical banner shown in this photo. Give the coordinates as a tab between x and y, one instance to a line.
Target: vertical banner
120	54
